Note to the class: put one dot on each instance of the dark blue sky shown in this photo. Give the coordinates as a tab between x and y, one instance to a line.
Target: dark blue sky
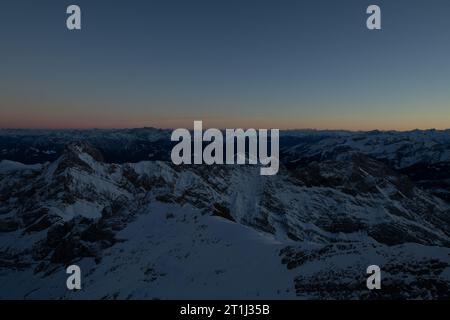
250	63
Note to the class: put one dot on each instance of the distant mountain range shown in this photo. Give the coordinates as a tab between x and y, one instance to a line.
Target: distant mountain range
140	227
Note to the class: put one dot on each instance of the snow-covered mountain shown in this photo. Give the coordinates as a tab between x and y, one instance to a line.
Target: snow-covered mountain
424	156
341	202
118	146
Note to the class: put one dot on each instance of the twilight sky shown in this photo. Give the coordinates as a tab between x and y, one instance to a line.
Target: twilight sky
231	63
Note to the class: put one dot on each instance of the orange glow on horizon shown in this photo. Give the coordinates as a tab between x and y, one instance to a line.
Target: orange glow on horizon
86	122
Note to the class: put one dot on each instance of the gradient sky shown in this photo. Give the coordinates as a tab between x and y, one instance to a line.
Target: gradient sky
231	63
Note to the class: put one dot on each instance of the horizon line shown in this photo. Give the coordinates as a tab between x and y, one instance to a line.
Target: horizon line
206	128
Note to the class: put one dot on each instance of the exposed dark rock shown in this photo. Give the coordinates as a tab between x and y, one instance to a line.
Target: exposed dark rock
222	211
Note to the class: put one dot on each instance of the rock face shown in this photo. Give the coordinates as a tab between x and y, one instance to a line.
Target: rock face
409	271
340	203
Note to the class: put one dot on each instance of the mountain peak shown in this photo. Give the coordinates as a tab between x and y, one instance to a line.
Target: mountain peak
77	154
80	147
